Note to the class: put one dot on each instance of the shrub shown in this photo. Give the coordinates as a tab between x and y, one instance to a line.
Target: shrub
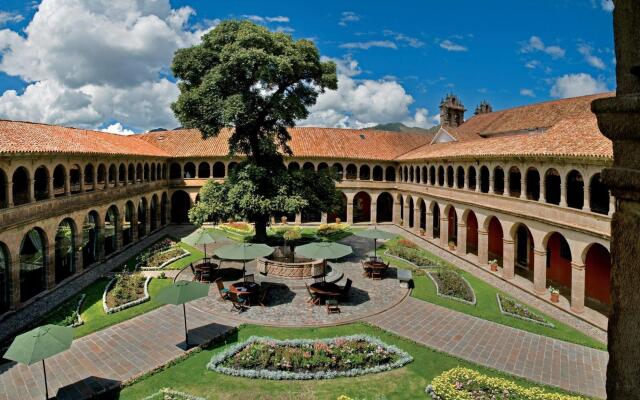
332	228
127	288
466	384
242	228
450	283
412	255
406	243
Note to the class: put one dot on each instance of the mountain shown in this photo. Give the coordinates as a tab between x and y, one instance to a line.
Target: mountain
400	127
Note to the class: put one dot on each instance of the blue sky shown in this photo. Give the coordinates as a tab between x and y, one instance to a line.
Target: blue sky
84	63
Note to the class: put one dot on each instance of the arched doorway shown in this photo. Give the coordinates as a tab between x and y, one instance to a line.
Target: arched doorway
411	212
204	170
472	178
308	166
436	220
472	233
41	183
131	173
21	186
338	171
460	177
218	170
390	174
90	239
523	242
111	221
495	241
575	190
384	208
515	182
164	203
484	179
558	262
153	212
377	173
33	264
180	205
4	278
452	225
3	189
552	186
365	173
65	252
341	213
422	223
441	176
293	166
175	171
598	195
450	177
598	278
142	218
128	223
498	180
189	170
352	172
60	179
362	207
533	184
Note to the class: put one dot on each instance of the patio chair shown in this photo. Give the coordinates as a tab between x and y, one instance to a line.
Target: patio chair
224	292
205	273
239	303
196	274
367	270
313	298
263	294
344	292
250	278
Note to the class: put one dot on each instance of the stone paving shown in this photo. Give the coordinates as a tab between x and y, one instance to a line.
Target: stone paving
537	358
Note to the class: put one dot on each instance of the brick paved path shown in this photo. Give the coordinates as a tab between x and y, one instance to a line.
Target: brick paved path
108	357
537	358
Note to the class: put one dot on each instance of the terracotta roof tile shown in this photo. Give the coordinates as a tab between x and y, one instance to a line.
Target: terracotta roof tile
27	137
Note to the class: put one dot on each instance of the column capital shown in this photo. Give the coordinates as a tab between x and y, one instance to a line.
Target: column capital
507	241
578	267
539	252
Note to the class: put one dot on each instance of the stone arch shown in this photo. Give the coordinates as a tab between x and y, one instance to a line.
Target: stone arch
378	173
495	239
425	174
390	174
417	175
351	172
338	170
471	222
308	166
147	172
65	250
175	171
164	208
122	174
21	181
153	212
552	184
422	216
204	170
41	183
435	213
89	177
515	181
153	172
575	189
599	198
75	179
3	189
180	205
189	170
101	177
597	262
405	174
362	207
432	175
365	173
523	250
340	213
452	224
131	173
90	238
323	166
142	217
460	177
411	174
139	172
450	177
293	166
33	263
218	169
129	223
111	230
498	180
558	263
5	273
472	178
384	207
484	179
441	176
60	180
533	184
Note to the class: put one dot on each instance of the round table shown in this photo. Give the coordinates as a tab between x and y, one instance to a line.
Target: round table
328	289
244	288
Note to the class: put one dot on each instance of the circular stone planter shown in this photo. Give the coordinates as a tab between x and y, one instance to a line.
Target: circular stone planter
281	269
124	306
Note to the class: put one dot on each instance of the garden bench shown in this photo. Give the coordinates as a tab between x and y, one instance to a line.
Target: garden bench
404	277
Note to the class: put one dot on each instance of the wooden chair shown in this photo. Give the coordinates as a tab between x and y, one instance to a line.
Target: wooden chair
313	298
205	273
344	292
367	270
332	306
249	278
239	303
196	274
263	294
224	292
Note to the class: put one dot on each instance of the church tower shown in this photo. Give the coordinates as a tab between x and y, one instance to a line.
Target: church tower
483	108
451	111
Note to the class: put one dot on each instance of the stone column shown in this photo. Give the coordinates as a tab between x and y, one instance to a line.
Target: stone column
506	191
428	229
374	212
396	212
492	178
478	181
543	190
14	281
416	219
563	193
81	182
32	190
118	233
444	232
523	185
323	218
587	197
133	227
577	287
298	219
67	184
50	195
539	271
8	189
483	247
508	252
466	181
349	212
405	212
462	239
147	224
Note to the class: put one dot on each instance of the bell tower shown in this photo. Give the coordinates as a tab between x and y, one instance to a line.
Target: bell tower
451	111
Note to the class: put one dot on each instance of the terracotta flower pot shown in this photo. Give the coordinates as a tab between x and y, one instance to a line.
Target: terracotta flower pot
422	232
555	297
494	267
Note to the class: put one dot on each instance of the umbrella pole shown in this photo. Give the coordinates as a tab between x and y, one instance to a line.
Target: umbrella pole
375	246
205	251
186	334
46	388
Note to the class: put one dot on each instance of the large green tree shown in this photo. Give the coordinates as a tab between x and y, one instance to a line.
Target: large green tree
257	83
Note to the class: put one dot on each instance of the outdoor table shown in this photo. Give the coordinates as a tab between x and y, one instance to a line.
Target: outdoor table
326	289
247	290
376	268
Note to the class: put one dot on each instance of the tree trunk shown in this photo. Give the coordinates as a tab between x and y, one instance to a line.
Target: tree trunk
261	229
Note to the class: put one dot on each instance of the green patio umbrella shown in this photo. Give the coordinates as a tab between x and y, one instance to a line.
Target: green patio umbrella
38	344
199	237
243	252
182	292
324	251
376	234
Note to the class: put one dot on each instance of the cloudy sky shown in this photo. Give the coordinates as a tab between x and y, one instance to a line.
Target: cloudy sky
104	64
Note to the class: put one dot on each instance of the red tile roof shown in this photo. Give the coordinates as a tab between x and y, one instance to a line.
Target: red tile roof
26	137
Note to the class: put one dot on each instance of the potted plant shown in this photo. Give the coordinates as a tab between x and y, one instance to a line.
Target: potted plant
494	265
452	245
283	220
401	222
338	220
422	232
555	294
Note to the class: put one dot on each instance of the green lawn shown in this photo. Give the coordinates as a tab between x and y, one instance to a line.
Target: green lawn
409	382
487	304
183	262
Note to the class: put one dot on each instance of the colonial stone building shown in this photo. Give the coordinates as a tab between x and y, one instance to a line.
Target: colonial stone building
520	186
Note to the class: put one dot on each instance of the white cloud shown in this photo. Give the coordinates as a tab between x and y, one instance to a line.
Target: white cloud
587	53
348	17
360	103
6	17
448	45
387	44
572	85
607	5
260	19
117	128
404	39
285	29
533	64
535	44
90	62
527	92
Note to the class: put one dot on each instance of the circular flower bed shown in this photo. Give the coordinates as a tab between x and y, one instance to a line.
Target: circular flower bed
267	358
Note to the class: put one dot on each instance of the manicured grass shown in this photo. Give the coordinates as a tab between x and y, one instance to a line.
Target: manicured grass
196	255
487	304
409	382
94	316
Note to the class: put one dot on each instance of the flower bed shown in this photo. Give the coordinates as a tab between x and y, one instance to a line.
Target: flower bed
466	384
514	309
159	255
267	358
168	394
242	228
326	230
410	255
452	285
124	291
